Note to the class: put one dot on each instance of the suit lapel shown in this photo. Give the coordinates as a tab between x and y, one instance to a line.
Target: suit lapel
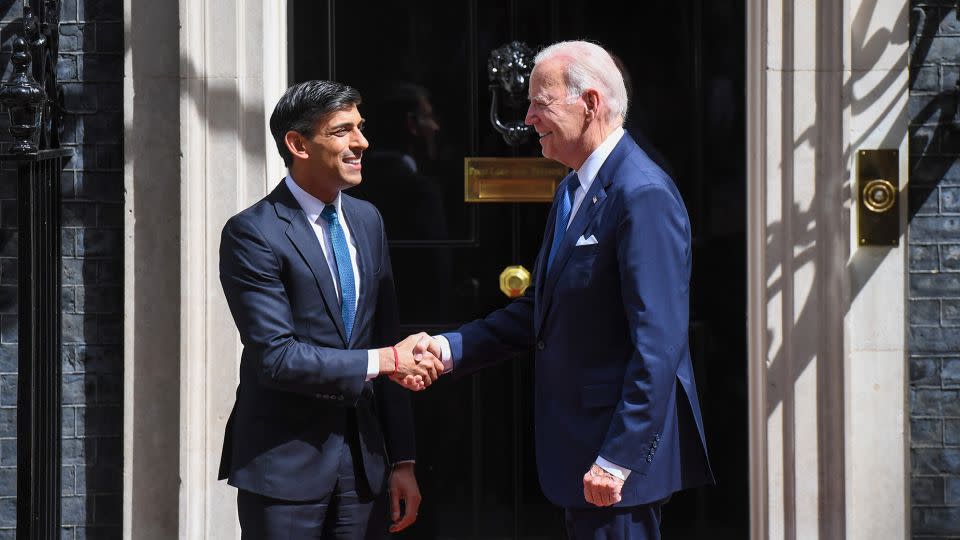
540	270
591	204
364	262
301	234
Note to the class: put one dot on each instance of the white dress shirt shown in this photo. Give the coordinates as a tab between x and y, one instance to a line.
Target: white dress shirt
591	166
586	174
312	207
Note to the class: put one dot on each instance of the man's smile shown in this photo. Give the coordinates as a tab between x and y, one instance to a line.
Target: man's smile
353	162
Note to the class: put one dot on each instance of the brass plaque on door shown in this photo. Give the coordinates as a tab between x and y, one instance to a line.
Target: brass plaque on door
878	197
511	179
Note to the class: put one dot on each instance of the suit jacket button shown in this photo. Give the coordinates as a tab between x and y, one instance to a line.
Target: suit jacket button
540	345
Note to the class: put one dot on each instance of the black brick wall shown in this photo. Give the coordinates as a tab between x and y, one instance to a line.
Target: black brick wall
934	270
91	68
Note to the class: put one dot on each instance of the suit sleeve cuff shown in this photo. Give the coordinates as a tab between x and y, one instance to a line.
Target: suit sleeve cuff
614	469
373	364
446	357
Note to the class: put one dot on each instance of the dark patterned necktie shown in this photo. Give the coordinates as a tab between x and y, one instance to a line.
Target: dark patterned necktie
343	268
566	188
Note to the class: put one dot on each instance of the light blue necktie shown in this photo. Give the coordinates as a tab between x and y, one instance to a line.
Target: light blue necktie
343	268
567	188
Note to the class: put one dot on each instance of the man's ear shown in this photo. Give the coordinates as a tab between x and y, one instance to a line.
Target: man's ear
295	142
592	100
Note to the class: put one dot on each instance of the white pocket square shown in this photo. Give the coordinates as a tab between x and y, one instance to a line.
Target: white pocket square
588	241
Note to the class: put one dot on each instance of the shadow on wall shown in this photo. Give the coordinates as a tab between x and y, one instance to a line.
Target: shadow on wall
808	261
938	121
798	237
10	13
163	79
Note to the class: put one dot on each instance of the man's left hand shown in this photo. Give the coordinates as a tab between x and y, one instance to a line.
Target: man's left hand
403	487
600	487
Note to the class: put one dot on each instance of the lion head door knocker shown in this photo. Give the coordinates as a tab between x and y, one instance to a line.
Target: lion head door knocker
509	70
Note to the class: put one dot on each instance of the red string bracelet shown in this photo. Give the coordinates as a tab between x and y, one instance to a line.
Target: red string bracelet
396	359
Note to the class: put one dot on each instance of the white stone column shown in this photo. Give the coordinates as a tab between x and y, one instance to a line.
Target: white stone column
876	378
198	151
826	332
151	147
232	60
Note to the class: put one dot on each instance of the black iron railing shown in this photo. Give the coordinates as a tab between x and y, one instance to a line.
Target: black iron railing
33	98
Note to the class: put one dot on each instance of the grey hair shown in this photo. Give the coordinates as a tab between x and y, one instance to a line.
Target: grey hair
590	66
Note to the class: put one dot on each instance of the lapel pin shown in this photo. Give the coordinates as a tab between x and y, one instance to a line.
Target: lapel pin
594	199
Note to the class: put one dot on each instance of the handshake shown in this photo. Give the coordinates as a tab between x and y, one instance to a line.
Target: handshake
414	363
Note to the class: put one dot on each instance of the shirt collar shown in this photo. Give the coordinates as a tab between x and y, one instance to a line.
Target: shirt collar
588	171
311	205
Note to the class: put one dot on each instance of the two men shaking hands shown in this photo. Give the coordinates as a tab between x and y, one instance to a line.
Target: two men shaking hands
318	433
414	363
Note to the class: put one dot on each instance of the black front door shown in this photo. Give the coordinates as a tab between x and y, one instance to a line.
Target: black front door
422	69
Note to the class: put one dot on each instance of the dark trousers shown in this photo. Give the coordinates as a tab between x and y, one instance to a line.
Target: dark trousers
610	523
350	512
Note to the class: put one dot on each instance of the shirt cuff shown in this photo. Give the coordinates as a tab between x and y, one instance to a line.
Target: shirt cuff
446	357
614	469
401	462
373	364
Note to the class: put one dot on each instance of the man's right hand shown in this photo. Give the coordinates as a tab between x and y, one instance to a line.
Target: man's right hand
413	370
428	345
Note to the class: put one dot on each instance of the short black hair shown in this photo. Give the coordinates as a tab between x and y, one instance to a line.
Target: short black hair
303	104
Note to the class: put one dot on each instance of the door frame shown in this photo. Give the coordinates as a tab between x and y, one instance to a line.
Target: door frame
828	429
861	276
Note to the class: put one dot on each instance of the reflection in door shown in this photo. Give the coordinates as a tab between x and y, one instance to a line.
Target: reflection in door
421	67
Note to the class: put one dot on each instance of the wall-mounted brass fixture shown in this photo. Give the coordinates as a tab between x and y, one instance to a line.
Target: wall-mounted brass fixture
878	209
501	180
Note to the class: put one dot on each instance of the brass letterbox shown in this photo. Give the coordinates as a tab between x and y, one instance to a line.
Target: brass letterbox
511	179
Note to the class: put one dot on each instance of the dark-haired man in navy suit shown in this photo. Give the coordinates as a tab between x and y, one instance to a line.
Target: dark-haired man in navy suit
617	418
315	432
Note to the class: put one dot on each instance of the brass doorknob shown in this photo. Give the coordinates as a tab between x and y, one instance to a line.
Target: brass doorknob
514	280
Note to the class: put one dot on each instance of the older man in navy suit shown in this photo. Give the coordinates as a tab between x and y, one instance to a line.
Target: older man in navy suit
618	425
316	437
